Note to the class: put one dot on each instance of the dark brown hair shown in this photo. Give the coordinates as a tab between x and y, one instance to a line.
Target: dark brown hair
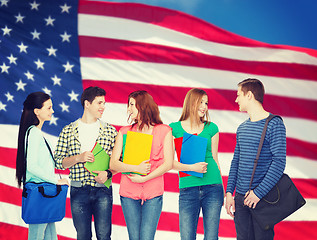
28	118
255	86
90	94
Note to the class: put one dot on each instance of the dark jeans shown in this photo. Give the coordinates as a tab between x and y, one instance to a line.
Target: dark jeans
247	228
88	201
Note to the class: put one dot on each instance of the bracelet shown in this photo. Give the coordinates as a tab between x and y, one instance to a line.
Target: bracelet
109	174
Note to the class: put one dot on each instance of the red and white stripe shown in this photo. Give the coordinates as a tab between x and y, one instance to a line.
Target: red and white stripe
126	47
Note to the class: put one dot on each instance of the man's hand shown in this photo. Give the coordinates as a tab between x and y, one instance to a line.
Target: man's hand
102	176
250	199
86	157
230	207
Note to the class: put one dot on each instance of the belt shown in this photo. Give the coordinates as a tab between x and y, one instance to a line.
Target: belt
80	184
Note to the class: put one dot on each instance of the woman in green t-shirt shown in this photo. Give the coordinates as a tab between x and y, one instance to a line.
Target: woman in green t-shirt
205	192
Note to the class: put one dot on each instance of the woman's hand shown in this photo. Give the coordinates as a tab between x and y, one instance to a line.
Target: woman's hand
144	167
136	178
200	167
63	181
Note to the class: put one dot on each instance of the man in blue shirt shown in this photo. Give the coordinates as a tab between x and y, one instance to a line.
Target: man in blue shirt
270	166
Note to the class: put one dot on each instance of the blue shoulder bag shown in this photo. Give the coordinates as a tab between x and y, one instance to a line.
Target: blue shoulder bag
43	202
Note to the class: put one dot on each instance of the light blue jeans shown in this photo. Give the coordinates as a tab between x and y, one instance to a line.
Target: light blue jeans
44	231
209	198
141	220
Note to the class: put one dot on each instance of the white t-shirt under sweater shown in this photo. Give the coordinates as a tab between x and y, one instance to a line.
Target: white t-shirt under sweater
88	134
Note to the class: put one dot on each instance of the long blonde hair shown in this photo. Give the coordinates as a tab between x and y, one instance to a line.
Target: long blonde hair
190	107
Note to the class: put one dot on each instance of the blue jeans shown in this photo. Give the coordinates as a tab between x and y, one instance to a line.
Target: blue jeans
247	228
88	201
44	231
209	198
141	220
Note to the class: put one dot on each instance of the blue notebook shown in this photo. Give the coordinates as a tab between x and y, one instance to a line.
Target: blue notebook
193	151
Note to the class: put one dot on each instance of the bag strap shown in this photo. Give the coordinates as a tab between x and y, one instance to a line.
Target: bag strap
58	190
49	149
269	118
25	154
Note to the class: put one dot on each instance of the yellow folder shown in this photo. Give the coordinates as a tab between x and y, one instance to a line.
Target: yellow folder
101	162
137	148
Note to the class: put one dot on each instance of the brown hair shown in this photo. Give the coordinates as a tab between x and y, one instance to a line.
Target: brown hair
149	113
190	107
255	86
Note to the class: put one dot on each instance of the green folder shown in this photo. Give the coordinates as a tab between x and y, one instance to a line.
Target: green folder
123	149
101	162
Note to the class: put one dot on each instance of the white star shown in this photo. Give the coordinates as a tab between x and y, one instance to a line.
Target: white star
49	21
64	107
35	34
20	85
65	37
29	75
53	120
73	96
19	18
6	30
4	68
65	8
34	5
9	97
51	51
68	67
4	3
23	47
12	59
39	64
56	80
3	107
47	91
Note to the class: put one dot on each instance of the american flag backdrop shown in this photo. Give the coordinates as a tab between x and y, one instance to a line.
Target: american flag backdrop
63	46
